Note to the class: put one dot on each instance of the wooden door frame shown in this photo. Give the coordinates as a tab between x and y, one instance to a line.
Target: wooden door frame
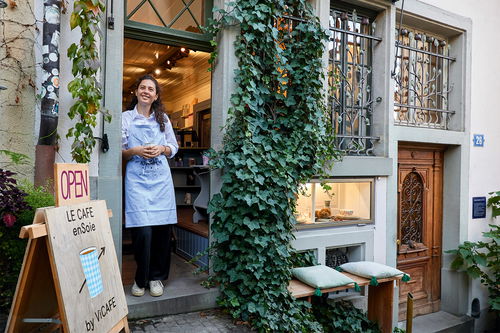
433	202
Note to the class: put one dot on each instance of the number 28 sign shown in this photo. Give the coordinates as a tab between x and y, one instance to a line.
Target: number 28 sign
478	140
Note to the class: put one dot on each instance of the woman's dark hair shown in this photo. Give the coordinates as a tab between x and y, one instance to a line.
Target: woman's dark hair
157	105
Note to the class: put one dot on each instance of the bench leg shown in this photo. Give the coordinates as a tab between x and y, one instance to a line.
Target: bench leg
380	302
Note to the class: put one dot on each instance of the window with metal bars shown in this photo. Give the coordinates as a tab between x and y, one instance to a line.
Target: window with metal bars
421	79
350	49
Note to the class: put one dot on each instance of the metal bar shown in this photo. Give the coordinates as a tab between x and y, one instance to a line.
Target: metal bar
378	39
190	12
179	14
294	18
425	52
41	321
157	13
135	9
358	137
361	119
423	108
343	85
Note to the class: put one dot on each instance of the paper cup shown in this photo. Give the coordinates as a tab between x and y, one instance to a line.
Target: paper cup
92	271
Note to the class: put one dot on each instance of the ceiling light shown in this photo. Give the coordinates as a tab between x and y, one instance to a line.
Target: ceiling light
157	55
3	4
157	71
183	49
2	87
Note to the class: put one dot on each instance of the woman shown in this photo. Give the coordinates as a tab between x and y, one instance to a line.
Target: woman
147	140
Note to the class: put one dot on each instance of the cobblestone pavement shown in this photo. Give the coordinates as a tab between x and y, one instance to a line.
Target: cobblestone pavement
194	322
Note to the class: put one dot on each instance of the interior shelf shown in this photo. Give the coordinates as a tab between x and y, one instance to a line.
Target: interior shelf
187	186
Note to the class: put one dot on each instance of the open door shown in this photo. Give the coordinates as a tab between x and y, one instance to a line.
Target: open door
185	84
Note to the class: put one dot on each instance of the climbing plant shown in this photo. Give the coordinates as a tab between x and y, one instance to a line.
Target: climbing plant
85	87
278	135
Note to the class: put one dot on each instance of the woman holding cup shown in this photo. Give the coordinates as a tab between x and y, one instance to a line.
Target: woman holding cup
147	141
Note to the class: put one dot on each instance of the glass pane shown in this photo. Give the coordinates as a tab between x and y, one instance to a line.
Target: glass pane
144	14
186	15
344	202
304	205
186	21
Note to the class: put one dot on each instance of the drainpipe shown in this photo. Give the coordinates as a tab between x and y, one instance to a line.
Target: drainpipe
47	138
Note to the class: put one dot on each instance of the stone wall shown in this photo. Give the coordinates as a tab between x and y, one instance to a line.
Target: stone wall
17	73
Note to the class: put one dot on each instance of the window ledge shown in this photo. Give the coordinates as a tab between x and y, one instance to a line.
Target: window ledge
362	166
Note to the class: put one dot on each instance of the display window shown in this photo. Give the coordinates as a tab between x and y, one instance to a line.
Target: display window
337	202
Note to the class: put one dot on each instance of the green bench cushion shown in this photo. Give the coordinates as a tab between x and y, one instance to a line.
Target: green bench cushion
321	276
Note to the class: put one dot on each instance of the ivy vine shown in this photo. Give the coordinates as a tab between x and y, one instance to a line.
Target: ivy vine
85	88
278	136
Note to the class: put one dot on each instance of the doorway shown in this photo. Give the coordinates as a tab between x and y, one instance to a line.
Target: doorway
185	84
420	211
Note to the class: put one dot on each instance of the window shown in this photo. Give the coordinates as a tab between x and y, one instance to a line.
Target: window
184	15
350	66
348	201
421	80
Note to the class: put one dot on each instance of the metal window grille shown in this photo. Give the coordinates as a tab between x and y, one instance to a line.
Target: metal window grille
421	80
350	66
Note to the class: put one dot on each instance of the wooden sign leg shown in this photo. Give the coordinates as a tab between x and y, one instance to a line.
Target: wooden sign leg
35	296
122	325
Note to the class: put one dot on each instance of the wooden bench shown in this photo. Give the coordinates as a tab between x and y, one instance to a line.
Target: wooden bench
380	297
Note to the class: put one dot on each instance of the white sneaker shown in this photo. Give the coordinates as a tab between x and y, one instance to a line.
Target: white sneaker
155	288
136	291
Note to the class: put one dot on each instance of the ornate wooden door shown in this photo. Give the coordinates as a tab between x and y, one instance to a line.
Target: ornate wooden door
420	197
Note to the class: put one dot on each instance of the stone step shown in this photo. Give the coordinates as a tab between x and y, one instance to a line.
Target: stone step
441	322
174	301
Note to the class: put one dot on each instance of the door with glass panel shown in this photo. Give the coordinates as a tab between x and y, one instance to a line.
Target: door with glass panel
420	197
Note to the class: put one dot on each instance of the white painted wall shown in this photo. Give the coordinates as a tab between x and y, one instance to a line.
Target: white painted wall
380	233
485	118
68	37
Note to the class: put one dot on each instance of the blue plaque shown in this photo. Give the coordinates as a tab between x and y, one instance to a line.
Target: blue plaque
478	140
478	207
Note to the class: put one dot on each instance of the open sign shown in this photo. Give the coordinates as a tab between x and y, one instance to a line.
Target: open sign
71	183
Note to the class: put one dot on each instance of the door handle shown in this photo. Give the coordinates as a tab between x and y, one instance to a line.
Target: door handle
398	242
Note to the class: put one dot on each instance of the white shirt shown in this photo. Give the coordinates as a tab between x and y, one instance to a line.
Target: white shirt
132	116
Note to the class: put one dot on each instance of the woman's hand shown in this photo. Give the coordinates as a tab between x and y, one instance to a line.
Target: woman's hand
153	151
146	151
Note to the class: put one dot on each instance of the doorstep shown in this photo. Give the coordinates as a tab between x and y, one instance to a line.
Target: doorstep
442	322
183	292
178	298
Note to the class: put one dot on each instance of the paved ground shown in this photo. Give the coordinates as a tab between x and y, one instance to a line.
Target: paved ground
194	322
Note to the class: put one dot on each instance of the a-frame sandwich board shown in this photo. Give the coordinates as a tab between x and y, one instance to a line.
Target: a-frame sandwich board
47	299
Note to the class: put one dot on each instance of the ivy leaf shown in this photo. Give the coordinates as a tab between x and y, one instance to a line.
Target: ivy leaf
74	20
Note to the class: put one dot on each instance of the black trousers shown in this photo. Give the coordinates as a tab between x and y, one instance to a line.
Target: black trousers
151	252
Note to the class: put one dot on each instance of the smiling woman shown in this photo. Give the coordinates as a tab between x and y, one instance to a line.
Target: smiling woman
147	140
